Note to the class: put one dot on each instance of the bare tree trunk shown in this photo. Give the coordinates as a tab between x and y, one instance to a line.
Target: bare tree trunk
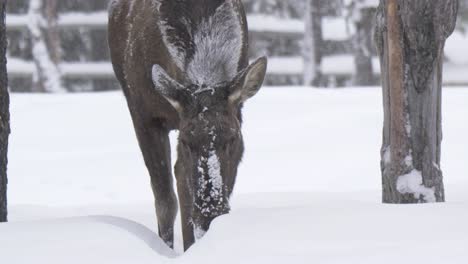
46	46
52	32
312	43
4	115
363	47
410	36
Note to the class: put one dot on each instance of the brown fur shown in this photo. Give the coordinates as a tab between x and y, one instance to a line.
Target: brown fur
139	55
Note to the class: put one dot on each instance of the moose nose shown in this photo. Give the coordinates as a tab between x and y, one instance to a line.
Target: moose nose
203	217
202	224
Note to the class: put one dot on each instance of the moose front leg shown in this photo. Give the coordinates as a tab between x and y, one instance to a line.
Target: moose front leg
186	206
154	143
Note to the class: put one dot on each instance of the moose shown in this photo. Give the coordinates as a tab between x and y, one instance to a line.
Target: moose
183	65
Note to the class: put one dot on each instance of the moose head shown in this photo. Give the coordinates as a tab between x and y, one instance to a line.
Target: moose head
210	143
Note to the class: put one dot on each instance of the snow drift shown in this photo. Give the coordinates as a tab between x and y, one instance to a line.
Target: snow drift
308	189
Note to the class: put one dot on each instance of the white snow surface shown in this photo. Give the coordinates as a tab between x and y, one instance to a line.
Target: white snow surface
308	189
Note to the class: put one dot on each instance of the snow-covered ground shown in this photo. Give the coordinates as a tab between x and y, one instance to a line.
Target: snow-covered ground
308	189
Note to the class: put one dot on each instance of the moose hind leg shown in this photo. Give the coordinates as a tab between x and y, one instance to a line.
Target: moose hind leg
155	146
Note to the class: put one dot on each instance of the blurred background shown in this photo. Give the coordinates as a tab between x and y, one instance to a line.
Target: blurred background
61	45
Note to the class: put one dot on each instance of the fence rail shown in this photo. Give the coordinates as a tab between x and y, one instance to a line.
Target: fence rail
257	23
280	67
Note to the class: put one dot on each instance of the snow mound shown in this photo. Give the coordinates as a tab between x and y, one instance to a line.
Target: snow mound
263	228
94	239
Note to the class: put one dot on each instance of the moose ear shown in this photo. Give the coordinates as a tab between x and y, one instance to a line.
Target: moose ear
167	87
249	81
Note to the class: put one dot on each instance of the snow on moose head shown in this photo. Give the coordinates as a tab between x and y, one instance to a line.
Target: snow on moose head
208	44
210	140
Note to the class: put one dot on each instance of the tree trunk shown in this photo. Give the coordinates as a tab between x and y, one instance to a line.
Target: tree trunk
4	115
45	49
52	33
312	43
363	47
410	36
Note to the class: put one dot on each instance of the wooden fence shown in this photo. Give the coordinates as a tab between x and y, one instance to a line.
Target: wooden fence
22	68
279	38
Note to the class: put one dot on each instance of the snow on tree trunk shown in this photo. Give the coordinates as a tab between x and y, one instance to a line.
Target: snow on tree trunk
47	77
410	36
4	115
312	42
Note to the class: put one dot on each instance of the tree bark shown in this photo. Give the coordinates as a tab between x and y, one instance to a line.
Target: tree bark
52	30
4	115
410	36
312	43
363	47
45	49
